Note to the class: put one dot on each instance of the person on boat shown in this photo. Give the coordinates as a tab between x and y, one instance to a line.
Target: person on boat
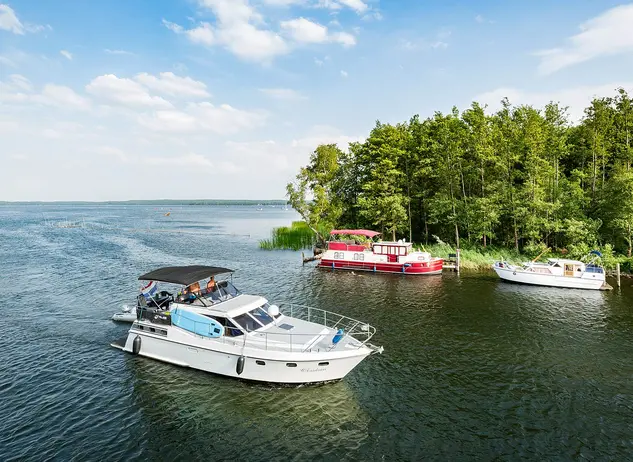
210	285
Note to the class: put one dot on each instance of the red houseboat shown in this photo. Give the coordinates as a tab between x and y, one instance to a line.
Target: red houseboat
376	256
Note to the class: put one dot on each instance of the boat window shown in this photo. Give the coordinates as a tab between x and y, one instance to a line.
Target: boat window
378	249
403	251
291	364
260	315
259	362
247	322
392	250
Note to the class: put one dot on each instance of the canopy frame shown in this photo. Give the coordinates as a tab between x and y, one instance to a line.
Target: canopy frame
355	232
184	275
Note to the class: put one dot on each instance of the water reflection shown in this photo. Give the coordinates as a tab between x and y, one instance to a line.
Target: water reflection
180	404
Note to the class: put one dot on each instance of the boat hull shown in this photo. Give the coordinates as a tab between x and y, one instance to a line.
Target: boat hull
260	366
589	281
432	267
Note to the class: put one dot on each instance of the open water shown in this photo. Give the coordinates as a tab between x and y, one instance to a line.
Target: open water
473	368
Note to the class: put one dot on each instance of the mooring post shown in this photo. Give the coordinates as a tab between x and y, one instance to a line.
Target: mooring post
457	262
303	258
617	273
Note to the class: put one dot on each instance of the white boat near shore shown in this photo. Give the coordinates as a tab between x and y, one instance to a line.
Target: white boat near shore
557	272
221	330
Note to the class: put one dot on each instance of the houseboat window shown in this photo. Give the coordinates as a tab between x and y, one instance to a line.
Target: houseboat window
378	249
291	364
392	250
403	251
259	362
260	315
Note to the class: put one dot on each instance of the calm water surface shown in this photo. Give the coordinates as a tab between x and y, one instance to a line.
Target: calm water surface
473	368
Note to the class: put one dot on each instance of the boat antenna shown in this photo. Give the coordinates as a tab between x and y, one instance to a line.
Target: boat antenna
540	254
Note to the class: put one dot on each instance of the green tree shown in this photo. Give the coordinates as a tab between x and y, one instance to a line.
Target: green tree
317	180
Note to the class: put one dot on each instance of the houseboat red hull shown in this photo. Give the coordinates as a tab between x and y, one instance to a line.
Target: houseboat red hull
432	267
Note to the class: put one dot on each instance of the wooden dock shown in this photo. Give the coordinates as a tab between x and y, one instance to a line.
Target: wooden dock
452	262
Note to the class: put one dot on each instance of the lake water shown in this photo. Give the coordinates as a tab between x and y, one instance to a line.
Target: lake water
473	368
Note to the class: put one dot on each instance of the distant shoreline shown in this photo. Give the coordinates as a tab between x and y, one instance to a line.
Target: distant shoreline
153	202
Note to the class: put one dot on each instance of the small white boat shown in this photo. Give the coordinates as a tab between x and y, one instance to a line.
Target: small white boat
557	272
125	315
221	330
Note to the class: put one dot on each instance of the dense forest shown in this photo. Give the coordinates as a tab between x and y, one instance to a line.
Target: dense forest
523	178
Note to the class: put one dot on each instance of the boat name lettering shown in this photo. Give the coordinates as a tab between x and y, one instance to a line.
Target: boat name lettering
318	369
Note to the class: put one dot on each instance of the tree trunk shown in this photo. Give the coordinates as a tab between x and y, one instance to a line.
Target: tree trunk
516	235
393	234
456	236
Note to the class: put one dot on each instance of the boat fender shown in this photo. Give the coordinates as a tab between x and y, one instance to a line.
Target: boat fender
239	367
338	336
136	345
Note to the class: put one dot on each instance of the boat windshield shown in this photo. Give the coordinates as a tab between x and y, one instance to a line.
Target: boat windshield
222	291
254	319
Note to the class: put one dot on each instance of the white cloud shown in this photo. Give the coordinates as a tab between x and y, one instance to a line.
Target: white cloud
304	30
187	160
9	21
237	29
19	90
318	62
605	35
170	84
61	96
576	98
125	92
66	54
344	74
480	19
410	45
20	82
283	93
118	52
203	117
284	2
7	62
357	5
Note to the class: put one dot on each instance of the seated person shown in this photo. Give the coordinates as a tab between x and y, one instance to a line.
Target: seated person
210	285
187	294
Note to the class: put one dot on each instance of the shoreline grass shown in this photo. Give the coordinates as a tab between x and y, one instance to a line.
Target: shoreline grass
297	236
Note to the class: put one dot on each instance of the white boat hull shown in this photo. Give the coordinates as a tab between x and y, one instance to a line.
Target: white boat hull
592	281
220	356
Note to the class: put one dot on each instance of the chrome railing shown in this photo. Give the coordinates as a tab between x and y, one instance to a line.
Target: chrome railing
355	333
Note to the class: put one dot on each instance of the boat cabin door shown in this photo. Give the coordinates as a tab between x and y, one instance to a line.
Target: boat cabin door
569	270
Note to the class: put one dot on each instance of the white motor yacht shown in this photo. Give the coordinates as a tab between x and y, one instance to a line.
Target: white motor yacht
557	272
221	330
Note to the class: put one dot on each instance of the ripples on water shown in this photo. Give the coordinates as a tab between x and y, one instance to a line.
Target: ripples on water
473	368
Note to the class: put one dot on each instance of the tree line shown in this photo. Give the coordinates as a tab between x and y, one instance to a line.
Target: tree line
521	177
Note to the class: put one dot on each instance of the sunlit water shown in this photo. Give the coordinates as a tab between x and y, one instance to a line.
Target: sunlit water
473	368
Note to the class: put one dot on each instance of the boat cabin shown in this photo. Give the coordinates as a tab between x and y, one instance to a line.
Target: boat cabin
563	267
218	306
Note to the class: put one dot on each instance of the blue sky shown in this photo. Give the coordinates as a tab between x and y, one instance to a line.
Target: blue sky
227	98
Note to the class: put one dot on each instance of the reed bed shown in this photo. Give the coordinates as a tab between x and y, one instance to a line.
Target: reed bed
297	236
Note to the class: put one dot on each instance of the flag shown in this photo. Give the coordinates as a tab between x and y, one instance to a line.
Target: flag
149	290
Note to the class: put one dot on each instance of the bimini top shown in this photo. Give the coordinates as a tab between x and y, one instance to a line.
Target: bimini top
355	232
184	275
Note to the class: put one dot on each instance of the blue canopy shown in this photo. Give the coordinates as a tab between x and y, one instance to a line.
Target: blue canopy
595	252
